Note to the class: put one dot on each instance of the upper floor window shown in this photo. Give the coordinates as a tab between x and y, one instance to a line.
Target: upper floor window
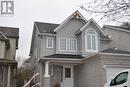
63	44
73	44
91	40
49	42
68	44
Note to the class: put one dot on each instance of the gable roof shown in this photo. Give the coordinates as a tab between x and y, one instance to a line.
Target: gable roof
75	14
9	32
112	50
90	21
45	27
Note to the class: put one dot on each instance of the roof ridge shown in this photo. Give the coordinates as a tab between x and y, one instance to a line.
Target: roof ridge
9	27
45	22
117	28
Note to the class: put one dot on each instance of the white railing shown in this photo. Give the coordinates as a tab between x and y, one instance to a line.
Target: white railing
28	83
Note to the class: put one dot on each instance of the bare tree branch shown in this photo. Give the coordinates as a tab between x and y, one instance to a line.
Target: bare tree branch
117	10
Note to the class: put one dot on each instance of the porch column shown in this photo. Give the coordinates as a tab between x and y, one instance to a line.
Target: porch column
46	78
8	81
46	69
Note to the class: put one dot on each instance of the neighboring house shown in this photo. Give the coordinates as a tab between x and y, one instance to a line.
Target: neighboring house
8	66
77	52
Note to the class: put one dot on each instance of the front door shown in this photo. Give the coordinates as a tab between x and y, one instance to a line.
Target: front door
67	76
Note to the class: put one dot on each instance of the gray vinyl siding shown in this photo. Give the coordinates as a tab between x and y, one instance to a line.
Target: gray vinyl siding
104	46
44	50
116	60
120	39
79	43
76	79
35	43
68	31
90	74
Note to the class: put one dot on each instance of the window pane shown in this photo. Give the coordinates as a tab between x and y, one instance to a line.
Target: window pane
73	44
63	43
88	42
121	78
50	42
91	32
93	42
68	72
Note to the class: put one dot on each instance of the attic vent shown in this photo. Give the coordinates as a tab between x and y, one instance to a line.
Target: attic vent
76	15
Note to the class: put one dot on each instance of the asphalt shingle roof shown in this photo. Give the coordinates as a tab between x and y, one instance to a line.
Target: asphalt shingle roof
10	31
112	50
124	26
65	56
46	27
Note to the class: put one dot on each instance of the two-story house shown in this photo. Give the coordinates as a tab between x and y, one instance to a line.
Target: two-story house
8	66
76	53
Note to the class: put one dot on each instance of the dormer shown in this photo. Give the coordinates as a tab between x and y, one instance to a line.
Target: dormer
90	37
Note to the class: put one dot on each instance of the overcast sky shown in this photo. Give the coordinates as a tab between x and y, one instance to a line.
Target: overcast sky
28	11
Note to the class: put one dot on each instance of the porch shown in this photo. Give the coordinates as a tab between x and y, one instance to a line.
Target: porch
58	72
7	73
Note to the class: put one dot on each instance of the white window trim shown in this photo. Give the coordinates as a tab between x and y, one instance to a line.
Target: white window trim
47	42
86	44
59	43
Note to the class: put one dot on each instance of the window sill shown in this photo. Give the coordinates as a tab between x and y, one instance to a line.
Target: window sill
91	51
49	47
66	51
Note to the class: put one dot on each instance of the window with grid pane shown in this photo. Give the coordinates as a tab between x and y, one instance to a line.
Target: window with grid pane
91	41
63	44
49	42
73	44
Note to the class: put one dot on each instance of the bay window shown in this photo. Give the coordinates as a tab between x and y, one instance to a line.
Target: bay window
68	44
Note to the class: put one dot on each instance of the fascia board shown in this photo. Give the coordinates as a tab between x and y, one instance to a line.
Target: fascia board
87	24
116	28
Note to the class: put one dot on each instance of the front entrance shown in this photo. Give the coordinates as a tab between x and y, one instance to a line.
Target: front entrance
67	76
